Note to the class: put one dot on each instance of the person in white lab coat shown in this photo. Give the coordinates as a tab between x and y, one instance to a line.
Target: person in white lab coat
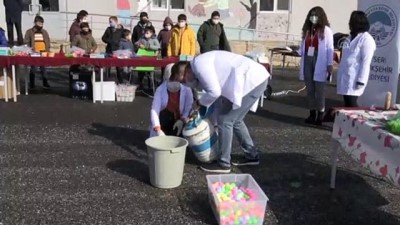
357	53
172	103
235	83
316	61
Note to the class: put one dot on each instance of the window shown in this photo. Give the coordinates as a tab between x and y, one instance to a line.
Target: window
274	5
46	5
164	4
49	5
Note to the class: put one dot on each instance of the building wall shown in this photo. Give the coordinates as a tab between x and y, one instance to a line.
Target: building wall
239	17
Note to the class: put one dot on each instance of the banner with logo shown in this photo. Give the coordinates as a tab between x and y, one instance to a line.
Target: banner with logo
384	17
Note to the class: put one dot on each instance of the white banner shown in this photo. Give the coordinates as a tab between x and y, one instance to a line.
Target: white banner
383	16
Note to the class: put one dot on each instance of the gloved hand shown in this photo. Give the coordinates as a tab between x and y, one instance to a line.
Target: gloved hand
179	126
160	133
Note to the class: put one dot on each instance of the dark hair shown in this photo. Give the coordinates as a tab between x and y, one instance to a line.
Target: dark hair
81	15
143	14
113	18
149	29
215	13
358	23
39	19
126	32
182	17
176	68
83	25
322	22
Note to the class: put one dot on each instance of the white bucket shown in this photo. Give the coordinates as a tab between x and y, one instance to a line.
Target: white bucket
203	140
166	160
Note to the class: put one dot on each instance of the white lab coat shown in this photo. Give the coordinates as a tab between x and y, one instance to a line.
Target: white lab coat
160	102
324	59
355	64
222	73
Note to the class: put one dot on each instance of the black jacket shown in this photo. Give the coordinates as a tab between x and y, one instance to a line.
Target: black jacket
112	37
138	31
212	37
14	10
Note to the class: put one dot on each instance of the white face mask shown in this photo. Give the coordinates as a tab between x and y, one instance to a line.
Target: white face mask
314	19
182	24
148	36
168	27
173	86
84	20
215	21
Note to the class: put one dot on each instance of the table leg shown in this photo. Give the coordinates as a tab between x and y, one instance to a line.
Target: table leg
271	62
101	84
284	64
334	159
5	84
26	82
14	83
94	84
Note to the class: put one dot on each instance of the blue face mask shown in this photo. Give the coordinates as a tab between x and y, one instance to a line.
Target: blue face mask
112	24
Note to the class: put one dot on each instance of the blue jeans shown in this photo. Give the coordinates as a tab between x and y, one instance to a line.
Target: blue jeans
231	122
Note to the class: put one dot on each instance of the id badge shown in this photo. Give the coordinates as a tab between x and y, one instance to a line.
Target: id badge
311	51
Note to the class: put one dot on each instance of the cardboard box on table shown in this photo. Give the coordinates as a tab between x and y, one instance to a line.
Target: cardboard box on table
9	83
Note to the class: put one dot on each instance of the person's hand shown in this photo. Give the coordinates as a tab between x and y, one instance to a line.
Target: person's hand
160	133
179	126
359	85
142	46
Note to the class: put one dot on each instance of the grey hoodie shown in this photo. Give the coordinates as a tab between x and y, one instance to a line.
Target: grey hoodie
150	44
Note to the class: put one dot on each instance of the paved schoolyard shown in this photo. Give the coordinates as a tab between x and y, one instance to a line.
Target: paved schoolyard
64	161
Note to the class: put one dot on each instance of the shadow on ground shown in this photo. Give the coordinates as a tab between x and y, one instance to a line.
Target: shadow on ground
298	189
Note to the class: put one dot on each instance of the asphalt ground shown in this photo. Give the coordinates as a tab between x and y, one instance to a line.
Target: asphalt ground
66	161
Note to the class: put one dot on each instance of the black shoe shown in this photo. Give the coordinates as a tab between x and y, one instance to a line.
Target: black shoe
320	118
46	86
215	167
246	162
312	117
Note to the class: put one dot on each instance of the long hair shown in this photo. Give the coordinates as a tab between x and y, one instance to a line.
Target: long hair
320	26
358	23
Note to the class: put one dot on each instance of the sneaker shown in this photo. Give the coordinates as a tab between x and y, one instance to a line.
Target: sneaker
246	162
215	167
46	86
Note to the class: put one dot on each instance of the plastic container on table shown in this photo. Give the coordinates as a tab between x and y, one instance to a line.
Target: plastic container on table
252	211
166	155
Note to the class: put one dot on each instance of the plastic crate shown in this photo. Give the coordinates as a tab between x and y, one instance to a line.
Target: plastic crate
250	212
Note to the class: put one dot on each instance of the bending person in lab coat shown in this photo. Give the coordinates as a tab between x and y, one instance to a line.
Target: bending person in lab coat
358	51
172	103
316	61
235	83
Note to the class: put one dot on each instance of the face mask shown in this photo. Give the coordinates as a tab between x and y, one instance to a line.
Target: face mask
168	27
314	19
112	24
173	86
147	36
215	21
84	20
85	31
38	27
182	24
144	21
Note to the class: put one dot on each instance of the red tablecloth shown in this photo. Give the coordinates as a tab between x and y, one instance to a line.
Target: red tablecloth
7	61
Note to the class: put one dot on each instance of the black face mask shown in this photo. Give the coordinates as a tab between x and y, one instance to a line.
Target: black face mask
85	32
144	21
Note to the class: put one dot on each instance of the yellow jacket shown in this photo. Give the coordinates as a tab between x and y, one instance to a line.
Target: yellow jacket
184	46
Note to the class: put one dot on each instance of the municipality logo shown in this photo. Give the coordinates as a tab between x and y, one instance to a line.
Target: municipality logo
383	22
